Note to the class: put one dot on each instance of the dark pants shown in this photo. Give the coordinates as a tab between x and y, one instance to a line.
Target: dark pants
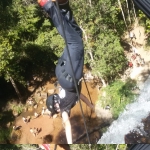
75	45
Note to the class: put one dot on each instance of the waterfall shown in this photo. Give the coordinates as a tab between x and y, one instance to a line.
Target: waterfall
129	119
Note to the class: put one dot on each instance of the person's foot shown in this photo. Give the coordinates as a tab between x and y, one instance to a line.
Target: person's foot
44	2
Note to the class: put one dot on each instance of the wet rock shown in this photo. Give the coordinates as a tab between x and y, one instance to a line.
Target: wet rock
44	100
31	88
43	88
47	112
135	137
43	95
25	109
37	99
47	138
88	76
50	91
30	101
15	113
35	106
37	91
26	119
104	114
41	102
130	138
39	79
143	140
55	116
8	124
15	135
37	94
30	108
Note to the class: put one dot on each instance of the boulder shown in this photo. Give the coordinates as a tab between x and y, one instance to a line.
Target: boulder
44	95
50	91
30	108
41	102
35	106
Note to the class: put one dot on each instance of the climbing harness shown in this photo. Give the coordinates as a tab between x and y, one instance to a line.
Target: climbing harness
75	82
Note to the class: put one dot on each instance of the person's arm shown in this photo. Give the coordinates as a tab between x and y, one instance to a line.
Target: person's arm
86	101
67	125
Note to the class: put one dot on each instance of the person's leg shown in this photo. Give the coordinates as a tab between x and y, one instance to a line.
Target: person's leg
67	13
74	42
72	30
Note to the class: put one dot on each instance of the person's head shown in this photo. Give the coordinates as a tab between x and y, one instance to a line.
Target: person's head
52	103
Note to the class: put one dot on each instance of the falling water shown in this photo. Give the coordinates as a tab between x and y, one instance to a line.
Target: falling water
129	119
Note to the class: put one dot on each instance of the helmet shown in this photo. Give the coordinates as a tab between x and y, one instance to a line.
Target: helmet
50	102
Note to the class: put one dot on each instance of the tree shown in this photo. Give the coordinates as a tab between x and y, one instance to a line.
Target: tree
100	25
122	13
128	12
109	59
118	95
28	35
27	45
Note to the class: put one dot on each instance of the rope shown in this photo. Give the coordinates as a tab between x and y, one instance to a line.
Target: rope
87	90
62	26
89	96
55	147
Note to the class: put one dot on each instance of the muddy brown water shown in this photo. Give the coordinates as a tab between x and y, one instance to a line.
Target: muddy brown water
52	130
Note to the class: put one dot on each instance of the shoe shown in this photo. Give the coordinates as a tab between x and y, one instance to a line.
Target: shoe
42	2
61	2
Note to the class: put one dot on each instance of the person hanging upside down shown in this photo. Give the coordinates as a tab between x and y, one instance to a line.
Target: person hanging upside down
67	97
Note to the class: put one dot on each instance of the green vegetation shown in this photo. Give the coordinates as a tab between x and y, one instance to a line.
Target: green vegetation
118	95
6	117
146	23
18	147
104	56
4	134
72	147
16	107
102	29
26	39
98	147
